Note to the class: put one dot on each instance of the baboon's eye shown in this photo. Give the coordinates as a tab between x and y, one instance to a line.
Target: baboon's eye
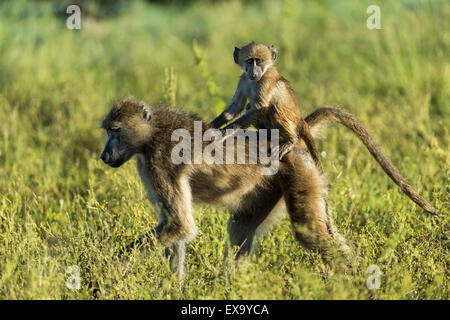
249	61
114	129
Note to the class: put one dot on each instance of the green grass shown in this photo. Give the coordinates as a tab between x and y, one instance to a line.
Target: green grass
60	206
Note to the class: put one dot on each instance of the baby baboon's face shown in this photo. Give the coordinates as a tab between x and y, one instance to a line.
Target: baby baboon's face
127	129
254	59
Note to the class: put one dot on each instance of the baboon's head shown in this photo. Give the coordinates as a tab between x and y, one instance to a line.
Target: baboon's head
254	59
127	128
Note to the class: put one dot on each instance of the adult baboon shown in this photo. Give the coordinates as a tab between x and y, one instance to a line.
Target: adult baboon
135	129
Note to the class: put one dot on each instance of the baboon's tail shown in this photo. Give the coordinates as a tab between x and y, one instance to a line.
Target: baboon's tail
306	135
326	114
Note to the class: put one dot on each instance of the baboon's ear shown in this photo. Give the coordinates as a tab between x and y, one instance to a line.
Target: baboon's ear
236	55
145	113
273	50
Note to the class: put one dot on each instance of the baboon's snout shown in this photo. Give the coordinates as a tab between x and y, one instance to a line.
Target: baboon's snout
106	157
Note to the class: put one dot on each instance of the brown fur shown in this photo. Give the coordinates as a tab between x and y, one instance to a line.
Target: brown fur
251	197
326	114
272	101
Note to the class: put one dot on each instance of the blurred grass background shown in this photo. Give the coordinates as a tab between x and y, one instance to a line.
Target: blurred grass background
60	206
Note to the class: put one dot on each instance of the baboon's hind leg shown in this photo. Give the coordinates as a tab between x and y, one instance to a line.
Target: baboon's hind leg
306	196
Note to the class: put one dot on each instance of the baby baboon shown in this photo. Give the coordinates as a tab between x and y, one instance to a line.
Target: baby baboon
272	102
135	129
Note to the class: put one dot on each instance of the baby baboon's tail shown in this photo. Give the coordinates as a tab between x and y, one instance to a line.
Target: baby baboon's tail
326	114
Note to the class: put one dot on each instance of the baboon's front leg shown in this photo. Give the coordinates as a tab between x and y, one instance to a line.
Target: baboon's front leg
177	225
248	119
233	109
256	206
176	253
